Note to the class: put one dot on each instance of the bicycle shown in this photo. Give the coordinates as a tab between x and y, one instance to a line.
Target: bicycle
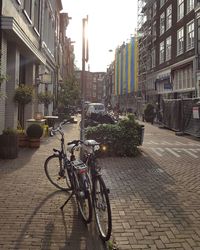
100	193
63	171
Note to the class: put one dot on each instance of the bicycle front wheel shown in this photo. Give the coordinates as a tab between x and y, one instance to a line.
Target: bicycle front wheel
102	208
83	197
55	172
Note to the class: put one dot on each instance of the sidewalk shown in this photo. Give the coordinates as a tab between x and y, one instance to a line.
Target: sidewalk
155	198
30	217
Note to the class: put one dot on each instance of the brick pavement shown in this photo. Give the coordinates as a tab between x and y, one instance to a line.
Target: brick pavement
156	196
155	199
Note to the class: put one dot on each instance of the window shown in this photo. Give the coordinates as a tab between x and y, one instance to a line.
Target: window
27	7
180	9
180	41
36	14
190	5
168	48
162	52
154	8
154	30
153	58
162	23
190	35
162	2
169	18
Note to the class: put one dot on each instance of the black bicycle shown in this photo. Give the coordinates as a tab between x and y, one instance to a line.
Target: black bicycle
69	174
100	193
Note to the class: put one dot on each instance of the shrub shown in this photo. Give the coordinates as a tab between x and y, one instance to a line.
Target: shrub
149	113
9	131
122	138
34	131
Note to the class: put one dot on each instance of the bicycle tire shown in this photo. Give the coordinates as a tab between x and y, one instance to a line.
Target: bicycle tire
84	202
101	204
53	166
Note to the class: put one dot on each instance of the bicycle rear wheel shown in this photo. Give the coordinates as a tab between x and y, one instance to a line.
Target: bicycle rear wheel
55	172
83	197
102	208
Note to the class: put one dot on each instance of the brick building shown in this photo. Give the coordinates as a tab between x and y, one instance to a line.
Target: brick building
94	85
167	62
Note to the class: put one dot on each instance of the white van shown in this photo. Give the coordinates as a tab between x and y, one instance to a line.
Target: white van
95	108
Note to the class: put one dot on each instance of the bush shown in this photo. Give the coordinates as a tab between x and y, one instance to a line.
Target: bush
34	131
9	131
122	138
149	113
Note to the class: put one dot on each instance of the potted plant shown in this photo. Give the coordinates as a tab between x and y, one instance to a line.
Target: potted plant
45	98
34	133
9	144
22	137
23	94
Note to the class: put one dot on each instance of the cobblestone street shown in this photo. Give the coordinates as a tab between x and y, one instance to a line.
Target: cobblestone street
155	198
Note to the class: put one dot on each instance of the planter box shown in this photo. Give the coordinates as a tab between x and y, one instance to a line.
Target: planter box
23	140
8	146
34	142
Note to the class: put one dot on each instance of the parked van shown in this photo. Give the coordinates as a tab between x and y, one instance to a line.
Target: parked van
95	108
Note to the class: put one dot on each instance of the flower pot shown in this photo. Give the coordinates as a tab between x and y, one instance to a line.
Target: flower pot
34	142
23	140
8	146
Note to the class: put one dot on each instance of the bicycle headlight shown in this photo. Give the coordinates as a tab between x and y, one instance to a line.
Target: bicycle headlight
104	147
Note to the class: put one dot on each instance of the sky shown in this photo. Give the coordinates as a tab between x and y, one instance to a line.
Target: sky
110	23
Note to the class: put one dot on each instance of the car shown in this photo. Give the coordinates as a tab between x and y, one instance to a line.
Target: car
97	108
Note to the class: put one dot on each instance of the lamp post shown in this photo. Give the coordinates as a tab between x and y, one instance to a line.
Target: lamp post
85	58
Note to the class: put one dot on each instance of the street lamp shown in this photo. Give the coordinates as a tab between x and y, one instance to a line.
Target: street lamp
85	57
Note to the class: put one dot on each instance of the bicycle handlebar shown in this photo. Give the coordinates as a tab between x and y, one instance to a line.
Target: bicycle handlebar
59	128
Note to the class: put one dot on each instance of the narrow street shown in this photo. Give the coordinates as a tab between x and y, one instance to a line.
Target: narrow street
155	198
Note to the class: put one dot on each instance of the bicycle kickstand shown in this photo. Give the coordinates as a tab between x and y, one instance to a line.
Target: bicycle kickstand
67	200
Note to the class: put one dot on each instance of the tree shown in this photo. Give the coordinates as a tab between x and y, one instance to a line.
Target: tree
69	94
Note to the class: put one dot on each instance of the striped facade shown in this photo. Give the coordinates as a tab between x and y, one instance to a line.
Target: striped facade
126	68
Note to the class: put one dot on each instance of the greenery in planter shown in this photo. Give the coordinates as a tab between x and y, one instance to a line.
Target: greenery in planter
23	94
9	131
122	138
9	144
22	137
149	113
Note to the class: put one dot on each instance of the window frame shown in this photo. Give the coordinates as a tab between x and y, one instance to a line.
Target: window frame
162	52
180	9
180	41
190	45
169	17
168	51
190	5
162	23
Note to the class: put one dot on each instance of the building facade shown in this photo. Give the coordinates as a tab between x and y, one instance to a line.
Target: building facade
95	88
167	49
32	51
